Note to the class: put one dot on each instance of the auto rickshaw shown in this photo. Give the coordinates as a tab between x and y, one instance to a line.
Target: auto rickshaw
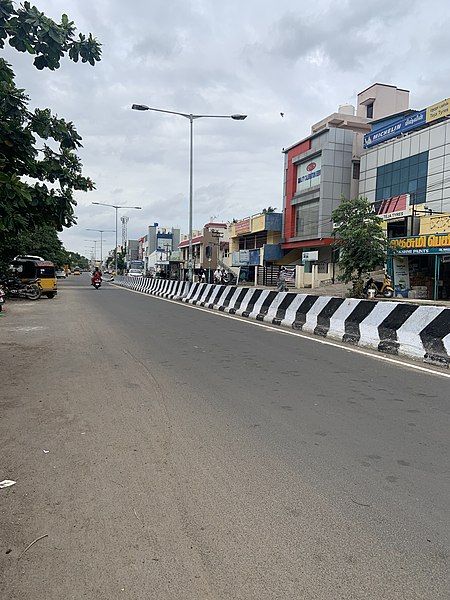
31	268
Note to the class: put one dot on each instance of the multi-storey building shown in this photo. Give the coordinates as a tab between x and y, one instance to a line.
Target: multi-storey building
322	168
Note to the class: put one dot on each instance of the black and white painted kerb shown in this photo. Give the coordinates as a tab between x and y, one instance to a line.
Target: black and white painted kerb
420	332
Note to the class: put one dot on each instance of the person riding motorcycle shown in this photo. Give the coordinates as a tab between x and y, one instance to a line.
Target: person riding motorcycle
96	275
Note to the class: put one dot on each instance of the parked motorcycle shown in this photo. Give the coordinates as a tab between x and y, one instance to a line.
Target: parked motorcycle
14	288
381	288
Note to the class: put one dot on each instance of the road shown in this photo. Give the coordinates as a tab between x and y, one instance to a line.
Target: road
192	456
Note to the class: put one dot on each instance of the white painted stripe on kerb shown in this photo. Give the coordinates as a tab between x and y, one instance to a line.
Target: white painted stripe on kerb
245	301
291	310
273	308
313	312
232	302
369	326
258	305
408	335
337	321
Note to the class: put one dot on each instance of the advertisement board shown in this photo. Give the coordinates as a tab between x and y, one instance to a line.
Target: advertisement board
311	255
438	110
401	276
242	226
422	244
395	129
435	224
394	208
308	173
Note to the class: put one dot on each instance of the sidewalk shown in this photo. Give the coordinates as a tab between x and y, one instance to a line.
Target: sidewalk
339	290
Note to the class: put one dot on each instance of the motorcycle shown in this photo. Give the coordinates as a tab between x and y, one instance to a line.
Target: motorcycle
96	283
381	288
14	288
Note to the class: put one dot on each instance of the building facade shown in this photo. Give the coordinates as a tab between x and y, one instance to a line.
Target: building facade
159	244
210	247
405	173
324	167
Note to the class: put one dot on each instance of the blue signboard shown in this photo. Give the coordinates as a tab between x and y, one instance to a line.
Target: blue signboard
395	129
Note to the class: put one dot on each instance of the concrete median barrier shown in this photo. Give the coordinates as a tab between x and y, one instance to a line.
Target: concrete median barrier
396	328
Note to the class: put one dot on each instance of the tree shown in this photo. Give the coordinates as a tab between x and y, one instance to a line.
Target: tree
37	180
43	241
268	210
360	239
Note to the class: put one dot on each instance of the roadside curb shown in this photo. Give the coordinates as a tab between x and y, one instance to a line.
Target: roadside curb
389	327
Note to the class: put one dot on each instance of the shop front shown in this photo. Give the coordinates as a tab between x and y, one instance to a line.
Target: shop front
420	265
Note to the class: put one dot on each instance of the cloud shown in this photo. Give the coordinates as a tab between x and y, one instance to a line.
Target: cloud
207	57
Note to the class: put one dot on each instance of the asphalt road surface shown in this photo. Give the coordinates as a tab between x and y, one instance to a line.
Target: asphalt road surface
171	453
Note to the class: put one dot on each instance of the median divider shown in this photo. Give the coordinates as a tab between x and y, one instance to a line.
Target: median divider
400	329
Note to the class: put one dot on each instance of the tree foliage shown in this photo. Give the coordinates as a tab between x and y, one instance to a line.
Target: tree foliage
43	241
360	239
39	167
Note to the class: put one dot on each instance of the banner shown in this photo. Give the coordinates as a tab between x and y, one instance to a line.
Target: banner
395	129
308	173
438	110
422	244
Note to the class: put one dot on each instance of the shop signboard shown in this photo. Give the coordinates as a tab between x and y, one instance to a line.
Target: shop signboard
394	208
422	244
438	110
258	223
242	226
308	173
395	129
310	256
435	224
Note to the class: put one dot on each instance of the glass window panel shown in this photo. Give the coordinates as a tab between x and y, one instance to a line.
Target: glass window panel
423	157
412	185
404	174
423	168
413	171
388	168
380	180
396	177
396	189
386	192
414	160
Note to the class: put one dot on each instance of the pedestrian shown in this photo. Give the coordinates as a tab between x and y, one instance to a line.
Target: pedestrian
281	280
217	275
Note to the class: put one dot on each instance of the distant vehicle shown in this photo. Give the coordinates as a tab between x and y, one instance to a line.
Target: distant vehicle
60	274
135	273
76	271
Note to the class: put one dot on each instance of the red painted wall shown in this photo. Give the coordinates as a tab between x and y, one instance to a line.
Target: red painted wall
291	183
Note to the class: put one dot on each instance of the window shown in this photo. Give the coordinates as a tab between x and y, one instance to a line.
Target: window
307	219
406	176
356	170
369	110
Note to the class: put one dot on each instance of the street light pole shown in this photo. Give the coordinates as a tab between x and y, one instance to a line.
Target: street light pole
101	231
191	199
117	207
191	117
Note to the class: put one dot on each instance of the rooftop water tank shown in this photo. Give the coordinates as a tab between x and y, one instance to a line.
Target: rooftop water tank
347	109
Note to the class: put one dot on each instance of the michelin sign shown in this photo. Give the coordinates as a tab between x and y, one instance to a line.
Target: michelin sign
421	117
395	129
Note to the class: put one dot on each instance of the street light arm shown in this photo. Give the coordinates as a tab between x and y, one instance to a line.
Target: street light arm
170	112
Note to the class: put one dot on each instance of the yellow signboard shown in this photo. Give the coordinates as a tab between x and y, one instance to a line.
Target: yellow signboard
435	224
258	223
438	110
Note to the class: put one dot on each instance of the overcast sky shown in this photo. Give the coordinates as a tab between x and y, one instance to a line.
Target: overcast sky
260	58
